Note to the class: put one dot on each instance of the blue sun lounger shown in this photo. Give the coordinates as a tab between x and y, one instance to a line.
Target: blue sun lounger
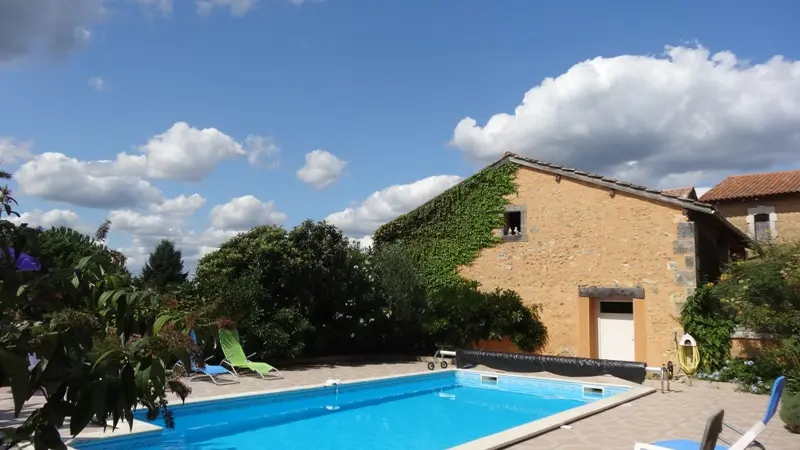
714	429
209	370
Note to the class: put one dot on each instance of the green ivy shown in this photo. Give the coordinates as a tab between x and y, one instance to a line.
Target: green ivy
451	230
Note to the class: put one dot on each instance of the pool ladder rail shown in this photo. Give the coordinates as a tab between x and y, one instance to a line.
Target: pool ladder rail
439	357
663	375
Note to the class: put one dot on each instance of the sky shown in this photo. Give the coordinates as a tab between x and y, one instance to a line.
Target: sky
195	120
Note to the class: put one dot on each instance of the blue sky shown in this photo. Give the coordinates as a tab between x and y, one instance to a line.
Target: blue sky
382	86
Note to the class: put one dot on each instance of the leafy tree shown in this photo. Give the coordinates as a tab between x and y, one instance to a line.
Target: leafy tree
248	280
94	337
164	267
311	278
764	291
763	295
399	320
65	247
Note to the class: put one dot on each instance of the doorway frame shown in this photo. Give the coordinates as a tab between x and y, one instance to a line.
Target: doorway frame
588	312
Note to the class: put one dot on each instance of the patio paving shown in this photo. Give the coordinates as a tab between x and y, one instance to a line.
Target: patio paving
681	413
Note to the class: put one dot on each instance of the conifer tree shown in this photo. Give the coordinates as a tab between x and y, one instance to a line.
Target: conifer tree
164	266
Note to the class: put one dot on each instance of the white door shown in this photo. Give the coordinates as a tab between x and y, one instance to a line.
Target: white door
615	330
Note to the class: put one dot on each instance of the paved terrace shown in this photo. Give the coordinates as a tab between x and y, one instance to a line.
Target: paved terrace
681	413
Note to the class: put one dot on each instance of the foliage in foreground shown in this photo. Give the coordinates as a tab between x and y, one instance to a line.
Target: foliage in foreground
92	334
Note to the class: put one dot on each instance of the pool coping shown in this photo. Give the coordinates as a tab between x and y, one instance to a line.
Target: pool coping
524	432
498	440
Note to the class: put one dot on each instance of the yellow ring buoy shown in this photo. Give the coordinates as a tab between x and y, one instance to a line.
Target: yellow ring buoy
689	364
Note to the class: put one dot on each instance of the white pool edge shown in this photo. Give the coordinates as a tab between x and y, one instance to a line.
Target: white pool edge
498	440
524	432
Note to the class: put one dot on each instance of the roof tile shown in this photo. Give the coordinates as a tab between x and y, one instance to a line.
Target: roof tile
684	192
754	185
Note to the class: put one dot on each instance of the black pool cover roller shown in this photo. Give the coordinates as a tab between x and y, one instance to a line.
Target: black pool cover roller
560	365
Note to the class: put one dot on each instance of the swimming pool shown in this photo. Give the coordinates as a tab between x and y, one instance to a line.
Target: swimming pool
435	410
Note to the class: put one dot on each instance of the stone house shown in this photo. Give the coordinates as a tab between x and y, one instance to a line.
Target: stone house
765	206
610	263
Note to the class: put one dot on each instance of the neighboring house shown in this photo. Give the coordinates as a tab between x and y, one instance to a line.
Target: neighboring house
684	192
611	263
766	206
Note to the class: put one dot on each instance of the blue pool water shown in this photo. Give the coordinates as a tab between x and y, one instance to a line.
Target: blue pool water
431	411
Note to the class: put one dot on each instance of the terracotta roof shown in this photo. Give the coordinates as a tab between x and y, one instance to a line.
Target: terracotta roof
754	185
685	192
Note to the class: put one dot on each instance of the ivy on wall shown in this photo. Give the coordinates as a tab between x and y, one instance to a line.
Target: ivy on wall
451	230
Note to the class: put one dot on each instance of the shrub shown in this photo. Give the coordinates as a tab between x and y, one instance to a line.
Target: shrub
790	412
704	317
461	315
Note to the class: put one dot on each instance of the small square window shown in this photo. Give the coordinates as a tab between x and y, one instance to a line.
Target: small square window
513	223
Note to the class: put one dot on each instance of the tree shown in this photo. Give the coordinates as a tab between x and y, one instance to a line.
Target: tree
65	247
311	278
164	267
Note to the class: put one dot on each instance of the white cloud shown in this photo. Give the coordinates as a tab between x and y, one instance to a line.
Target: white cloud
385	205
180	206
236	7
164	6
48	219
321	169
245	212
148	230
56	177
701	190
139	224
97	84
45	27
686	117
181	153
12	152
364	241
259	148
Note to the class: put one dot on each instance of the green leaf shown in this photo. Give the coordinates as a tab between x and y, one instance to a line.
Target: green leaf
129	418
161	321
101	303
16	367
128	381
99	405
47	437
83	413
103	357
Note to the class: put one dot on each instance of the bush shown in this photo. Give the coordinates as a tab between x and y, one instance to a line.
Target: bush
790	412
764	292
704	317
461	315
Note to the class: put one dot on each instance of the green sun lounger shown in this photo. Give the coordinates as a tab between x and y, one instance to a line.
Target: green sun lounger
235	358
